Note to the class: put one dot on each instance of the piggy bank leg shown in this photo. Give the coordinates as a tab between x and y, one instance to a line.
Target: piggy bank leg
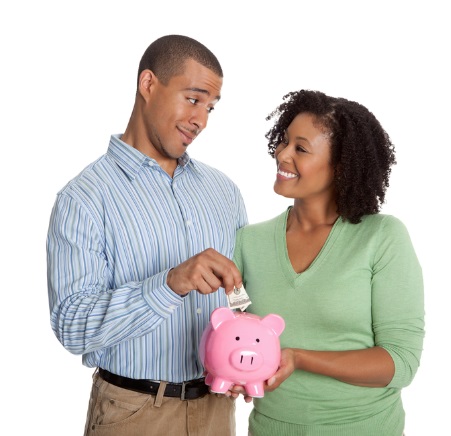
208	379
254	390
220	386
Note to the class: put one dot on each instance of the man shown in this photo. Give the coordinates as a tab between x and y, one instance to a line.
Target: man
138	245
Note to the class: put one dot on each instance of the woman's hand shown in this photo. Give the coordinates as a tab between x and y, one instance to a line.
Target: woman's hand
235	392
286	367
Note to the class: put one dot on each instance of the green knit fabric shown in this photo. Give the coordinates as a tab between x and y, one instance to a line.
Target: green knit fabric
364	288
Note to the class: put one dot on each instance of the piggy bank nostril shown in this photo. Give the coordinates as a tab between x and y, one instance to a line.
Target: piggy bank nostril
252	359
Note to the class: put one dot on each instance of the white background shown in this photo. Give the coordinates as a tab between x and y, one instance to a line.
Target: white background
68	79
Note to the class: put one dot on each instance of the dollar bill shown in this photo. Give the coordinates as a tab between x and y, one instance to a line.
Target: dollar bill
238	299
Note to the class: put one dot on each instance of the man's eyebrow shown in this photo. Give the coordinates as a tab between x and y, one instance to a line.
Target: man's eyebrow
202	91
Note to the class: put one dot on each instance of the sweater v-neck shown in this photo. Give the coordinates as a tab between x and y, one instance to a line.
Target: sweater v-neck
293	277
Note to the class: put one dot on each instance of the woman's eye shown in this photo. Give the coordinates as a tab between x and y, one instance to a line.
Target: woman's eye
284	141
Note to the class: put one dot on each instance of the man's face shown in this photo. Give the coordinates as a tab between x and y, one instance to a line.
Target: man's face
174	114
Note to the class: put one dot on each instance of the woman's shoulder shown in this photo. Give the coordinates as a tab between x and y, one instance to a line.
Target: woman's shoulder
380	220
384	225
263	227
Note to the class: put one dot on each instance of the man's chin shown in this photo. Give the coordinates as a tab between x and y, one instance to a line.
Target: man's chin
183	151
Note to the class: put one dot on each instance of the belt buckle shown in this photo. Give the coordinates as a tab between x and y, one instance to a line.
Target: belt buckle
182	395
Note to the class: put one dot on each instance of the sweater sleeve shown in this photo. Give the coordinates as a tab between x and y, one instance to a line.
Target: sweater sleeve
398	301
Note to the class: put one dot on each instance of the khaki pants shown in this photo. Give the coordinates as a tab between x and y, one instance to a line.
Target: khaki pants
115	411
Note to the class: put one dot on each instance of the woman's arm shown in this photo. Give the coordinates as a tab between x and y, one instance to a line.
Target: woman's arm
372	367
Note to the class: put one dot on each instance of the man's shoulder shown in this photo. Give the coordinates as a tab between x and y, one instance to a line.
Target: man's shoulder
88	178
211	172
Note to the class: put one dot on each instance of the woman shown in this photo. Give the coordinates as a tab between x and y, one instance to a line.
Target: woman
344	277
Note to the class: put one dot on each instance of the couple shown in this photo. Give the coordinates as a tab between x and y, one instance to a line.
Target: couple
140	248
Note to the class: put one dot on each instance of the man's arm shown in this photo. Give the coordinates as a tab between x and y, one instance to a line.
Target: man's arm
87	314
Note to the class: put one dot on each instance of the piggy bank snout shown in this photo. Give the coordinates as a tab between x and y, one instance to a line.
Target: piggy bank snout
246	360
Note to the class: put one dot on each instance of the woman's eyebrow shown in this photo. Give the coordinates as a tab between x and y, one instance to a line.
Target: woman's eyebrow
301	138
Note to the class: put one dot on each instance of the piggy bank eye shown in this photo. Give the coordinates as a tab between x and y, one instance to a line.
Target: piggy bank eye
237	338
257	340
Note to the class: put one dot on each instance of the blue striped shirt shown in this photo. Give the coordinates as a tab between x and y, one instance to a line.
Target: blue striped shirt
115	231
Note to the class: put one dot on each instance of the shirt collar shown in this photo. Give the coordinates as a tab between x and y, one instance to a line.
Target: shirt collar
132	160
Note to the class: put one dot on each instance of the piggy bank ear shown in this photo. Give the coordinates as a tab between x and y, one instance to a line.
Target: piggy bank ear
220	315
274	322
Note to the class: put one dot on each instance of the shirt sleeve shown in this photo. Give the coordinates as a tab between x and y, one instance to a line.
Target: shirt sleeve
241	218
398	301
237	257
86	313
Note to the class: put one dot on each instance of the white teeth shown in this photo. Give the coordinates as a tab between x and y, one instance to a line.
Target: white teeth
287	175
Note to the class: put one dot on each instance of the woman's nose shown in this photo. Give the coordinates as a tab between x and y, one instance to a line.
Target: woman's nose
284	153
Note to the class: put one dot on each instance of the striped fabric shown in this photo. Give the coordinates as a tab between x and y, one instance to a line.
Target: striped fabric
115	231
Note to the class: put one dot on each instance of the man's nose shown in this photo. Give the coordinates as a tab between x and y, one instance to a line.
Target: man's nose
200	117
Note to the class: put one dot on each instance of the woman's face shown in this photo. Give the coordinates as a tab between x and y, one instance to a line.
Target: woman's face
304	170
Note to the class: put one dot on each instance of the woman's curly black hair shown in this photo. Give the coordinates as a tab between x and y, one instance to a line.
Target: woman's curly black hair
361	150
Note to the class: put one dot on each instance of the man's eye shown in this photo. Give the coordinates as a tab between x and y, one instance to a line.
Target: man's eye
210	110
193	100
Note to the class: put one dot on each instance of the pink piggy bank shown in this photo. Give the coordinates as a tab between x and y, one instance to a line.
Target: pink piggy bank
240	348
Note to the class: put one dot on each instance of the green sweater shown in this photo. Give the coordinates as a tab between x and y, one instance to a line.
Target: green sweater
364	289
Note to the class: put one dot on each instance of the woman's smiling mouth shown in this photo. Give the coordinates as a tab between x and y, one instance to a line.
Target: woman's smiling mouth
285	174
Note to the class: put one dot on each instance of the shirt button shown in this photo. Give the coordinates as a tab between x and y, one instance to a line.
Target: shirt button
199	310
189	223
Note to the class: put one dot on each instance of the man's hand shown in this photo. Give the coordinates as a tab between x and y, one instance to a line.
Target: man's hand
205	273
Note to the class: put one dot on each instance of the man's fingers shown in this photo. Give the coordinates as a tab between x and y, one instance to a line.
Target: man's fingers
217	270
208	283
205	272
229	279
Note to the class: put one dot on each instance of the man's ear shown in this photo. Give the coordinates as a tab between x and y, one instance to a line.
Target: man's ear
146	82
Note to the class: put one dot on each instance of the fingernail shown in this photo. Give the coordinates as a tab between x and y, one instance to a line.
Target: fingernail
271	381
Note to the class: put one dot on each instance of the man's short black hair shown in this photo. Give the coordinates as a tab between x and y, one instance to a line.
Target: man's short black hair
167	55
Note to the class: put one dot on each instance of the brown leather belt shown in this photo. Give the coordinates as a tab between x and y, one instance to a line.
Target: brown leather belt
189	390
